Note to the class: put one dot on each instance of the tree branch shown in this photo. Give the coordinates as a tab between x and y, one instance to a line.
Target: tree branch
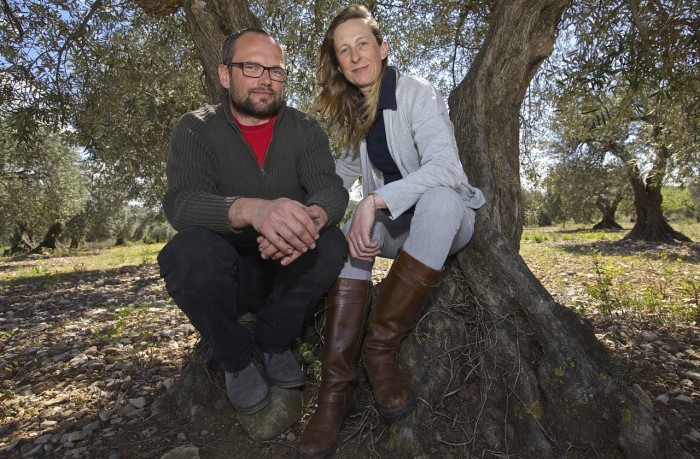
159	7
77	33
643	32
13	19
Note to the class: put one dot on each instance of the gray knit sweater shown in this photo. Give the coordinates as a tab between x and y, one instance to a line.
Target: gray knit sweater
211	164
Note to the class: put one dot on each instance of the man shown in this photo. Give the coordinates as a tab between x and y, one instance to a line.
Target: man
253	194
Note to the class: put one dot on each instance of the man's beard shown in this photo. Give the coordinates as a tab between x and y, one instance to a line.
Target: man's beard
244	104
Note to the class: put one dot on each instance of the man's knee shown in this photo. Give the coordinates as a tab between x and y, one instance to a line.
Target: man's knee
196	250
332	247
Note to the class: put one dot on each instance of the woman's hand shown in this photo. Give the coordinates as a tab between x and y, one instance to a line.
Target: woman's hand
359	239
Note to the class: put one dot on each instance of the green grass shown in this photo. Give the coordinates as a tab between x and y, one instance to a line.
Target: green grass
49	268
592	273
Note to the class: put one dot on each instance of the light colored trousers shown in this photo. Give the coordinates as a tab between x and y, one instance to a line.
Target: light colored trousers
440	226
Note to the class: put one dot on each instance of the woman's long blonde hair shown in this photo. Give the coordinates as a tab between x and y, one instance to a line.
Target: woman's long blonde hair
340	101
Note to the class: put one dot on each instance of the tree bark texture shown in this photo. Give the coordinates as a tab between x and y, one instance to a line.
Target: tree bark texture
499	366
485	106
528	373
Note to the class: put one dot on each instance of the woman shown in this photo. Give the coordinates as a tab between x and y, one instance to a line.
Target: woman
418	208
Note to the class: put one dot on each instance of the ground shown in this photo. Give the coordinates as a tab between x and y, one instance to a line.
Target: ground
86	351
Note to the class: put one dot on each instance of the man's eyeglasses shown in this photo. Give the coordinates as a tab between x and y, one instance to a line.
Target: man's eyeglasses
253	70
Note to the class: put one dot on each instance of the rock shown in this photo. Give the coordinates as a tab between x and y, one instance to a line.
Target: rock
684	398
649	336
148	433
694	375
48	424
73	437
139	402
43	439
182	452
78	360
284	410
91	351
672	347
32	451
675	391
663	398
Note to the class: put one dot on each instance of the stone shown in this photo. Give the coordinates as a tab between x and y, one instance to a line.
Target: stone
73	437
663	398
43	439
78	360
284	410
32	451
182	452
649	336
672	347
139	402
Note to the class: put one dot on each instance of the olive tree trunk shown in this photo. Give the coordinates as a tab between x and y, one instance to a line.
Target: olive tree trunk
608	208
499	366
650	223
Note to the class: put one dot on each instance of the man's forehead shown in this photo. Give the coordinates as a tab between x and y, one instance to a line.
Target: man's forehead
252	45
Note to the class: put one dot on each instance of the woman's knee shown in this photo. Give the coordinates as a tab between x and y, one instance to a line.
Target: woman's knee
441	203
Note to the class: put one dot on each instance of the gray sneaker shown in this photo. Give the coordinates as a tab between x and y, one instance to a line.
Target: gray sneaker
283	370
247	390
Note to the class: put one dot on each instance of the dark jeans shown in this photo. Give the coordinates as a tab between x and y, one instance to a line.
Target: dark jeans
212	283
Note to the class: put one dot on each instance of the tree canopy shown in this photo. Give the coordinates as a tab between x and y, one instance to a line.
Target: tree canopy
112	76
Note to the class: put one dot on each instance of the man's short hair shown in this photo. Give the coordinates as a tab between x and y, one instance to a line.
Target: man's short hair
229	47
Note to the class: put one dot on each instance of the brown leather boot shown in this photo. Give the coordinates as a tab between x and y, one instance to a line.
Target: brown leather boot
346	308
396	311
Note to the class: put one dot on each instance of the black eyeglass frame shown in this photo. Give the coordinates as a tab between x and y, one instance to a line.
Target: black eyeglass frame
243	65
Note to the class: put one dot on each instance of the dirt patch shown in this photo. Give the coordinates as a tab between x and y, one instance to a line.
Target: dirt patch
86	354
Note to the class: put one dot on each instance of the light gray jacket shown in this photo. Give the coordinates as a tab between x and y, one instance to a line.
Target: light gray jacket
421	141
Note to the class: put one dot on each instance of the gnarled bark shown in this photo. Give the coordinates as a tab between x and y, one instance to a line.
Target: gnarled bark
542	376
500	366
